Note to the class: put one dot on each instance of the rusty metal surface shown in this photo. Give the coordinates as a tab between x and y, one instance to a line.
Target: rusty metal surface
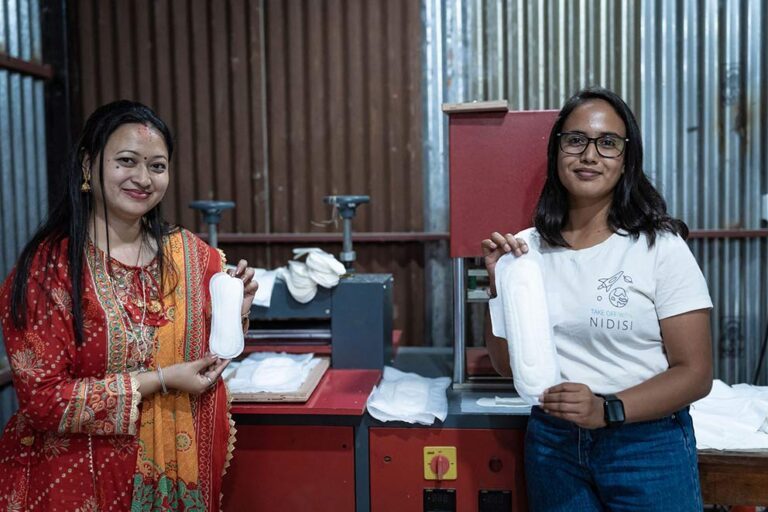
275	104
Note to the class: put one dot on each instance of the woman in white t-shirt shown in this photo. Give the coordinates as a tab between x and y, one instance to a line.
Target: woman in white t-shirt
629	310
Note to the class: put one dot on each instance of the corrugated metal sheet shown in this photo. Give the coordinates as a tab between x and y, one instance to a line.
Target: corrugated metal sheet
333	84
22	144
207	87
693	71
706	117
275	104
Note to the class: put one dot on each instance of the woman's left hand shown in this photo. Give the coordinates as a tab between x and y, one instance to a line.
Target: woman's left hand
249	285
574	402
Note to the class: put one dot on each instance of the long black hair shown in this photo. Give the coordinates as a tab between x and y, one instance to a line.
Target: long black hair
69	216
637	207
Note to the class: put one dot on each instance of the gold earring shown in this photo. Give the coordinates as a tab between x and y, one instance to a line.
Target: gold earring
86	186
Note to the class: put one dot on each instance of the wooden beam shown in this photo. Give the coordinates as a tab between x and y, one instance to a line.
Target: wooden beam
43	71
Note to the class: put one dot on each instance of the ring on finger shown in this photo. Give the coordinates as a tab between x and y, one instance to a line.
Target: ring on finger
210	380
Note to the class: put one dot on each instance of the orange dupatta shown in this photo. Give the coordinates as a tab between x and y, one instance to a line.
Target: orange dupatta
185	442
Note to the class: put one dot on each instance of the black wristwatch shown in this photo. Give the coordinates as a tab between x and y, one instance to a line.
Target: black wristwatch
613	410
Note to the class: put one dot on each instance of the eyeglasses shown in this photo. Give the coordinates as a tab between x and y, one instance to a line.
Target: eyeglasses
607	146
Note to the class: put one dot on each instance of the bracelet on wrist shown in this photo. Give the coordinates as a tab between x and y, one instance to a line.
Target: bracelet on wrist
162	380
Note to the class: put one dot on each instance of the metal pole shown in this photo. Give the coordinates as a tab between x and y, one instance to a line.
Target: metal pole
459	313
213	238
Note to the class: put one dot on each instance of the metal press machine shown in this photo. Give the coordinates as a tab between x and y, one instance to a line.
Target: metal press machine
329	454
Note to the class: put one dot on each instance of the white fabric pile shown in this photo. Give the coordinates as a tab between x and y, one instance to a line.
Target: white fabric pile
520	315
732	417
310	268
409	397
270	372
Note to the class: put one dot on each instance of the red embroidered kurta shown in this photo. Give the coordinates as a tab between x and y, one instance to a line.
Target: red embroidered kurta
72	445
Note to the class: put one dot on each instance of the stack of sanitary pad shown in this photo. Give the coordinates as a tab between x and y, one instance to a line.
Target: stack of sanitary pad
310	268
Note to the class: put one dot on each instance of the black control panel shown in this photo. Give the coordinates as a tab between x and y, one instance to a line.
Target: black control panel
439	500
494	501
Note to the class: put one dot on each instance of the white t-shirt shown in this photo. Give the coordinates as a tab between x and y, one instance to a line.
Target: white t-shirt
605	303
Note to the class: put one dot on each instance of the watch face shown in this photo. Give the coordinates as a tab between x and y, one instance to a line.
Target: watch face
614	411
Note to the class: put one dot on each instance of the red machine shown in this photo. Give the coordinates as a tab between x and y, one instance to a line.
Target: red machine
329	455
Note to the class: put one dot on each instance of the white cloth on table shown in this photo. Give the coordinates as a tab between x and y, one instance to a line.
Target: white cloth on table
732	417
409	397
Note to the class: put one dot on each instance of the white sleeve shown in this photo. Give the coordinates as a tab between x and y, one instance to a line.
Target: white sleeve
680	284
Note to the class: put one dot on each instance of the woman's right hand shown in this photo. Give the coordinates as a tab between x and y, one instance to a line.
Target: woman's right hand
497	246
194	377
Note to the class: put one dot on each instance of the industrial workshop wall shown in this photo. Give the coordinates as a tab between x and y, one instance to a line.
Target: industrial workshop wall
276	104
694	72
23	180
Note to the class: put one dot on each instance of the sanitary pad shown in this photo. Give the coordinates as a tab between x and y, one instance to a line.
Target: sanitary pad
226	340
409	397
519	314
269	372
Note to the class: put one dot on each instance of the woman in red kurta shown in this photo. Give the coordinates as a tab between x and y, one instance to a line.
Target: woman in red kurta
106	320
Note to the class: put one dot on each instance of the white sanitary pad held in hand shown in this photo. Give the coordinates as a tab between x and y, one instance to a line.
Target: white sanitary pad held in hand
226	339
519	314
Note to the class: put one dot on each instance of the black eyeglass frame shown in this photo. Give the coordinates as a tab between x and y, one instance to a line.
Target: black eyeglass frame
591	140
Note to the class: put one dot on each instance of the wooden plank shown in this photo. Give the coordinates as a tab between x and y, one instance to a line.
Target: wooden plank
357	237
734	477
25	67
476	106
340	393
300	395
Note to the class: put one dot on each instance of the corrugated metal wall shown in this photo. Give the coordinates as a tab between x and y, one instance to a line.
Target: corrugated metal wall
22	145
207	87
694	72
275	104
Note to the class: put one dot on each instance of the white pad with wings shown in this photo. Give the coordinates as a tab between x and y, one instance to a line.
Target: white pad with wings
520	315
226	340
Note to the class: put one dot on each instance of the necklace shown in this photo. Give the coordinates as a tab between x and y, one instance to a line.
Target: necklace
142	342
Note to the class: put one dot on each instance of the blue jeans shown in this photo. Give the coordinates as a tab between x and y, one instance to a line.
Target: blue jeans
646	466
